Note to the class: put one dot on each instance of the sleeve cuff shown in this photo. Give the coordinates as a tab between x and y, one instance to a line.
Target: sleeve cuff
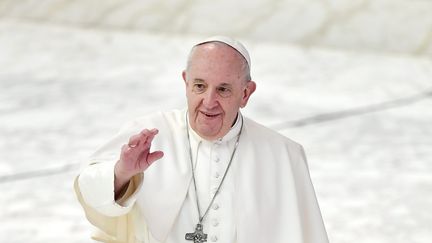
96	184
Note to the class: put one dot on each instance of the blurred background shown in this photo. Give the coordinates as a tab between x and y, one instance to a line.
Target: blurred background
350	80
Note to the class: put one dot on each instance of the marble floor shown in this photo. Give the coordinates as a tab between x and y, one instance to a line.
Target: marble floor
364	119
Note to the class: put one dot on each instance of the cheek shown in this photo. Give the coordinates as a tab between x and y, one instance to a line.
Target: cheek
193	100
229	107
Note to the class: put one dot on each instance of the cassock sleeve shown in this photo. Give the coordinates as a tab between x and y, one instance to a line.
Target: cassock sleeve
94	188
96	184
96	180
118	229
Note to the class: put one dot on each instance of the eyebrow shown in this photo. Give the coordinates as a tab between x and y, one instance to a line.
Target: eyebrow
198	80
225	84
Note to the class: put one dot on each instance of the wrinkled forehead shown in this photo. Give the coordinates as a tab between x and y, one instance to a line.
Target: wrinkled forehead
215	63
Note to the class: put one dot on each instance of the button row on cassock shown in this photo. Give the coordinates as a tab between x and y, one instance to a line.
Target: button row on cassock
215	206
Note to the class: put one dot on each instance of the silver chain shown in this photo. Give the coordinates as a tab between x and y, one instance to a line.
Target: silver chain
201	218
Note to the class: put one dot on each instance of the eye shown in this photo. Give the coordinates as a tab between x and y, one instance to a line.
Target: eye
224	91
198	88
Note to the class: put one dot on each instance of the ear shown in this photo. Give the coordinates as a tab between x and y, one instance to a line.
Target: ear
247	92
184	80
184	75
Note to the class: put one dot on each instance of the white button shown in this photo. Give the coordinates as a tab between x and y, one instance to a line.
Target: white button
215	223
216	175
216	159
215	206
214	238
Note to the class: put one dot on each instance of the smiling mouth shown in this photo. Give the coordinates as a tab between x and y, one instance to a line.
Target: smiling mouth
209	114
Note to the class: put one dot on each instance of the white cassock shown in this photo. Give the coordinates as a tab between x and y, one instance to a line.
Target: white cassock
267	195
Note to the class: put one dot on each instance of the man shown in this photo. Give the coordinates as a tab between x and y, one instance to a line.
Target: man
205	174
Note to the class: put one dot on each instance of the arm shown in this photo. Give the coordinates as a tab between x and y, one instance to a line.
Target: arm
135	158
110	187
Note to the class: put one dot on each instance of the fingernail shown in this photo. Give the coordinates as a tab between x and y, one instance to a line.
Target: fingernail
133	145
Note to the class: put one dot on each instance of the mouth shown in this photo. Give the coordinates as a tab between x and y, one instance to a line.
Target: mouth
209	115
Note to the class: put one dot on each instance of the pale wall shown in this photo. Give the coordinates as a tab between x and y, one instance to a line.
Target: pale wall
373	25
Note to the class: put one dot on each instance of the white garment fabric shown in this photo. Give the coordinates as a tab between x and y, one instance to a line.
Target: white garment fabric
267	195
231	42
210	159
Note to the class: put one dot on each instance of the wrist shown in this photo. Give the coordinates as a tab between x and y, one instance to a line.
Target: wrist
120	174
120	178
120	187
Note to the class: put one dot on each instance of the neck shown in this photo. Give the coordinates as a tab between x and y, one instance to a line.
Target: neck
237	119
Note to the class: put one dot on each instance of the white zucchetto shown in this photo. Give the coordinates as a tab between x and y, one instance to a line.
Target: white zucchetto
231	42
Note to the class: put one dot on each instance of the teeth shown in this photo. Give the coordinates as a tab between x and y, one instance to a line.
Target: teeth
211	115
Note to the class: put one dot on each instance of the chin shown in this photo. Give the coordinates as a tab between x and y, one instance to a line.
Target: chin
208	135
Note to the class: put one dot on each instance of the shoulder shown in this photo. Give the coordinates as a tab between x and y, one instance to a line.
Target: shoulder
258	132
276	146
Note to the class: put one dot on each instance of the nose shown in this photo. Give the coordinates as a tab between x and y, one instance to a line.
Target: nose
210	99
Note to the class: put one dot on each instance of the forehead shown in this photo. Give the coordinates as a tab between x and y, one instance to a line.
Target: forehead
215	51
215	61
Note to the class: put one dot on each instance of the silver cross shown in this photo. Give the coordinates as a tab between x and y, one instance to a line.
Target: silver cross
198	236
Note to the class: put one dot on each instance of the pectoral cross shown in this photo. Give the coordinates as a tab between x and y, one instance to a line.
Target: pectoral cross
198	236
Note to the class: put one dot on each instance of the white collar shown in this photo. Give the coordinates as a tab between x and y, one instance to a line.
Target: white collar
232	133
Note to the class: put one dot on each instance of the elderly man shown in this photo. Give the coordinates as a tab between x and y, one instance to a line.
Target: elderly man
203	174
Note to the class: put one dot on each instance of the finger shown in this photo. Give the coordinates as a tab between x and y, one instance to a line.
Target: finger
124	148
140	138
125	154
151	136
153	130
134	140
147	138
152	157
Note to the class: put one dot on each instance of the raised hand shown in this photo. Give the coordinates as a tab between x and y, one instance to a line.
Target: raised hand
135	157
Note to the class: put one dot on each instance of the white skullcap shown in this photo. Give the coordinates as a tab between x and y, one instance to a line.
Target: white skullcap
231	42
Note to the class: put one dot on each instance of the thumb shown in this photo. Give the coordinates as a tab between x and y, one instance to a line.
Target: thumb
152	157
